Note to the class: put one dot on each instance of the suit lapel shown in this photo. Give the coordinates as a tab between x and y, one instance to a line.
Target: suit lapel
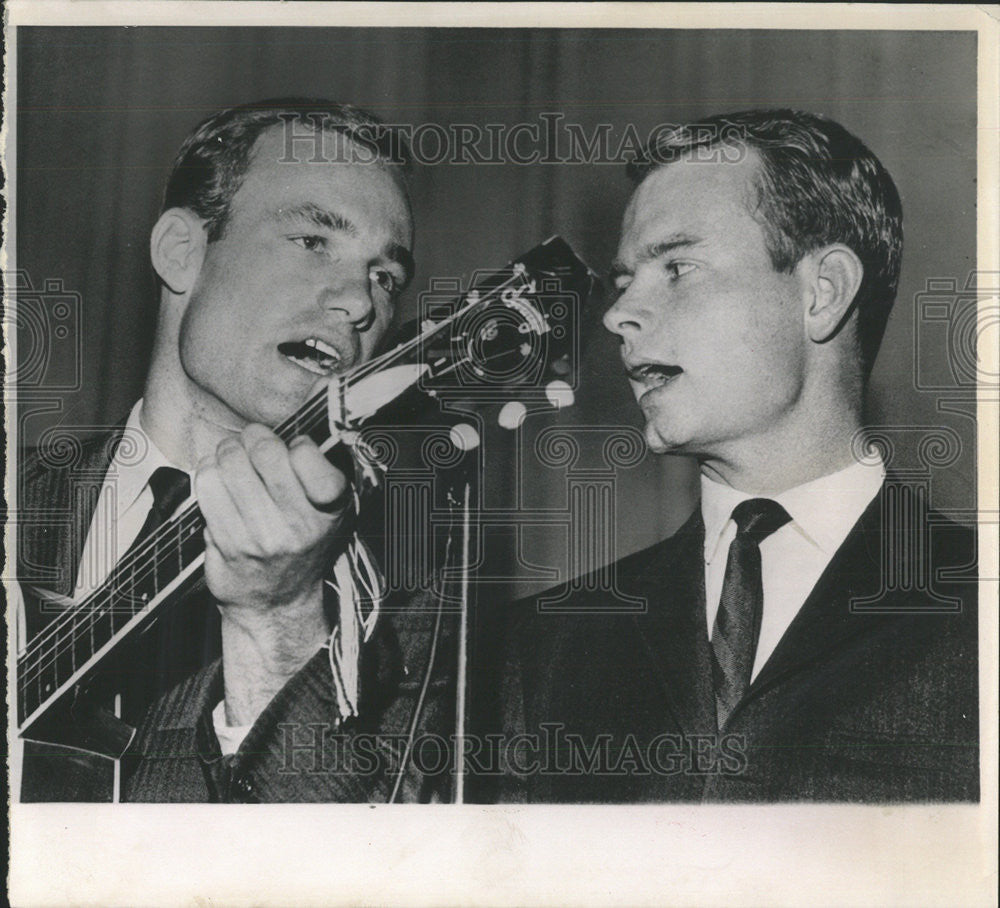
826	621
674	632
57	503
85	489
673	629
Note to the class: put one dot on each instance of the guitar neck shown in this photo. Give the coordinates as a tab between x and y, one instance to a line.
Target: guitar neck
73	644
143	582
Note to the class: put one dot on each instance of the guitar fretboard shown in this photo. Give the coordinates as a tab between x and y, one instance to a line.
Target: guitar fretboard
80	637
65	649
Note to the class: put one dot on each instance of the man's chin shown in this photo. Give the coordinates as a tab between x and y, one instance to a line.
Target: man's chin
270	408
288	393
660	441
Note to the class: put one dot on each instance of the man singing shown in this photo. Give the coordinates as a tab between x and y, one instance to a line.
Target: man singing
283	244
775	655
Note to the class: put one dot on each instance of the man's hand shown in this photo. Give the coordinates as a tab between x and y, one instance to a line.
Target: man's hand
270	537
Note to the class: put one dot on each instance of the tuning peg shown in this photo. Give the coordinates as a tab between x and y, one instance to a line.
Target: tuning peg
512	414
559	394
464	437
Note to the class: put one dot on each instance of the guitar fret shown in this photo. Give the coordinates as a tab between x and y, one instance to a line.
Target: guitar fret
72	646
156	564
179	533
133	580
91	619
23	706
101	626
62	666
112	609
83	640
192	542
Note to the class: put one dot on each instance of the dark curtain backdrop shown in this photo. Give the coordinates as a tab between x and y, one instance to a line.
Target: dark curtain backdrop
102	111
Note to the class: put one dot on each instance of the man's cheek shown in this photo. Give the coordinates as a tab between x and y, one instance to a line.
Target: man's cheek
187	344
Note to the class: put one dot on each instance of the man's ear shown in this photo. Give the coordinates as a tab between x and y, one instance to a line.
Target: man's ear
836	279
177	248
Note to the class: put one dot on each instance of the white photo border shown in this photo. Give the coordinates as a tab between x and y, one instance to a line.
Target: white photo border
844	855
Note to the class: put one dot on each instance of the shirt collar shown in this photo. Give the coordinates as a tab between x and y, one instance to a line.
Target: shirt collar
136	458
823	510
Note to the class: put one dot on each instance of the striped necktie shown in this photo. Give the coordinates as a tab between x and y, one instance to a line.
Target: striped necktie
737	622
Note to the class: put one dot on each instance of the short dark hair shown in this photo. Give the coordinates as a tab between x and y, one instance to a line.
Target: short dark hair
213	161
818	184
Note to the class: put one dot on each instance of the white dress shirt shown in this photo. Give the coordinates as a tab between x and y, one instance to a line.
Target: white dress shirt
122	506
823	512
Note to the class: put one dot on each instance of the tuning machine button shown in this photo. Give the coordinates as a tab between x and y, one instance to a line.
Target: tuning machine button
560	394
464	437
512	414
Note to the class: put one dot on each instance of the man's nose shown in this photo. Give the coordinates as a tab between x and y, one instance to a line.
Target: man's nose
351	298
625	316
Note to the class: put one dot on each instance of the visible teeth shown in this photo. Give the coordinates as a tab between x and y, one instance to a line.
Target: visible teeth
310	365
654	373
312	354
322	347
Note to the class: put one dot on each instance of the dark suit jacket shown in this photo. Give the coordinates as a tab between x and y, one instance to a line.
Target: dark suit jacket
58	490
171	679
297	751
873	701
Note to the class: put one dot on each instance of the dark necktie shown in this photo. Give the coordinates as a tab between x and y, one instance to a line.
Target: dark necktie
169	487
737	623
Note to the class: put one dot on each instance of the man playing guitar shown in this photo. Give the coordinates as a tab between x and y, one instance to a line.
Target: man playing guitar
276	271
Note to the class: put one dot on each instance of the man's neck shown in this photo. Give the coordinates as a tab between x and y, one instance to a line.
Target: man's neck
773	463
179	419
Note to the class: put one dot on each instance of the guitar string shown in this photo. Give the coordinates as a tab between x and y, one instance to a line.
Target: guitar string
112	590
305	417
108	606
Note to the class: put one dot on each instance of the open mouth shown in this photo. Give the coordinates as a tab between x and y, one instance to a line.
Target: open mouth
312	354
653	375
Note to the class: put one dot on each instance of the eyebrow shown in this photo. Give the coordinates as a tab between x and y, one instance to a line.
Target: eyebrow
653	251
321	217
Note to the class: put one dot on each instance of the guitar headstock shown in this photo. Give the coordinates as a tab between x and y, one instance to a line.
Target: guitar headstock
516	331
514	336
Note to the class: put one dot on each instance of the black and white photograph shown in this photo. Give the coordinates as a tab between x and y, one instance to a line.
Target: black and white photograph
556	425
